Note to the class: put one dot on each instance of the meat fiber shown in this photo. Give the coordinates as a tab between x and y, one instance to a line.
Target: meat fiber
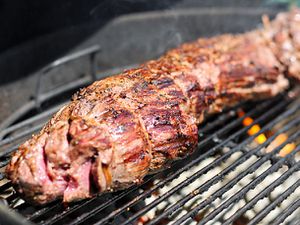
117	130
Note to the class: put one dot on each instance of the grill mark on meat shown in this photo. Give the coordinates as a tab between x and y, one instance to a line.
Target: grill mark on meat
163	102
162	82
148	95
134	106
184	68
125	131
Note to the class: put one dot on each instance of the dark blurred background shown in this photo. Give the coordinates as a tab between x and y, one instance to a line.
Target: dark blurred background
24	20
35	32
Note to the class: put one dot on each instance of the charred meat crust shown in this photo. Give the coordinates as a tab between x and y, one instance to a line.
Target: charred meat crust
117	130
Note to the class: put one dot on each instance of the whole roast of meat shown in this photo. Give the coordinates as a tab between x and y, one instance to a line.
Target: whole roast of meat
117	130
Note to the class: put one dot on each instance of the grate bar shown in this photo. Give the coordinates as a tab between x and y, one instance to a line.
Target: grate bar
221	191
295	221
224	189
29	121
20	135
209	183
278	200
223	117
9	150
4	162
79	206
5	186
252	184
43	210
238	121
286	212
262	194
190	179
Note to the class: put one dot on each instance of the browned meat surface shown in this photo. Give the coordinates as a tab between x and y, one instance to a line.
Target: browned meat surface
119	129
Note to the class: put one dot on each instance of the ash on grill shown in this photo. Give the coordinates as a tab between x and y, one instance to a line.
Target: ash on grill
231	210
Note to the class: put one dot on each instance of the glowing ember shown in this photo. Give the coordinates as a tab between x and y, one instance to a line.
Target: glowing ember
143	220
260	139
280	139
287	149
254	129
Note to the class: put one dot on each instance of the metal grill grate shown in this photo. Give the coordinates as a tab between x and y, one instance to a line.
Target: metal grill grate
229	179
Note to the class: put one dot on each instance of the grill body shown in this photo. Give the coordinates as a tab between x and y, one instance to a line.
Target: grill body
229	178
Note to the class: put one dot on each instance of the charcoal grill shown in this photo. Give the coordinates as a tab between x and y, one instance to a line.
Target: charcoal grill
230	179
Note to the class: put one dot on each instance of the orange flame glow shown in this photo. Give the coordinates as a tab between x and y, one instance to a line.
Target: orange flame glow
143	220
260	139
254	129
280	139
